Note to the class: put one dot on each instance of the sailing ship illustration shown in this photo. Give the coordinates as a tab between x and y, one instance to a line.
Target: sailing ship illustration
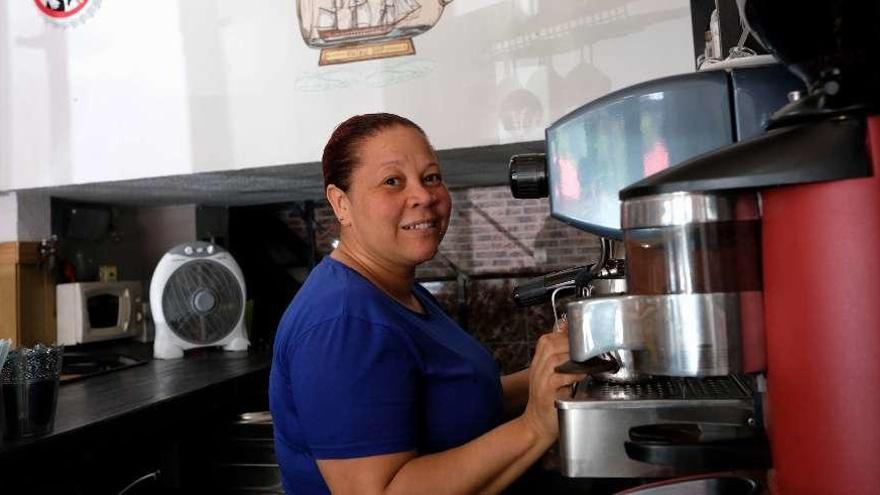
354	30
362	19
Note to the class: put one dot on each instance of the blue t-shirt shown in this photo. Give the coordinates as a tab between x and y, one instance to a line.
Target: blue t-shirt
356	374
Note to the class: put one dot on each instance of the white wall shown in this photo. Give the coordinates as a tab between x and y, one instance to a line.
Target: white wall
8	217
159	88
34	216
24	216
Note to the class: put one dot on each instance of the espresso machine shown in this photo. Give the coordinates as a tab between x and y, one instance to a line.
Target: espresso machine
655	387
750	318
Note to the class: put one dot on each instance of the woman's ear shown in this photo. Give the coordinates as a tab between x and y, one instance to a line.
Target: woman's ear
339	202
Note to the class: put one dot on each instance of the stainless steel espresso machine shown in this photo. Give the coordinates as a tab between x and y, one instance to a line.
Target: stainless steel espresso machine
749	329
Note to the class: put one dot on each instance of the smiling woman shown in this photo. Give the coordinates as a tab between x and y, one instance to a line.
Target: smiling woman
395	211
373	388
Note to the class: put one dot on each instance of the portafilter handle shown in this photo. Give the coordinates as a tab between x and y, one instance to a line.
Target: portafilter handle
539	289
591	366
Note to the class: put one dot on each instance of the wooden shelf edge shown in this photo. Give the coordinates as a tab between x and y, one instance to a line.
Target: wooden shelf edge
19	252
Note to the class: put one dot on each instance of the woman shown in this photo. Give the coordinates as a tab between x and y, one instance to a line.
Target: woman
373	389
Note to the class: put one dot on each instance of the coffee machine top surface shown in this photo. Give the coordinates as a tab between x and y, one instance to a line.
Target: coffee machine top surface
617	140
621	138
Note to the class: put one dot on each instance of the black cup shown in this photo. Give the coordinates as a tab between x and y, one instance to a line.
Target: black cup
29	391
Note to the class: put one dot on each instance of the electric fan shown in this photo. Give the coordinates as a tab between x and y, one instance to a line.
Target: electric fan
197	299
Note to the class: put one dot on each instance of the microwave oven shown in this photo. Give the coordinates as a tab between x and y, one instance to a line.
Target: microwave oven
97	311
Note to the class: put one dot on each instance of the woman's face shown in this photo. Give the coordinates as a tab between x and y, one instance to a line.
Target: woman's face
397	207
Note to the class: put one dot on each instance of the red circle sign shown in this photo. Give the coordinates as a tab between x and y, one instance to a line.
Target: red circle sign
61	9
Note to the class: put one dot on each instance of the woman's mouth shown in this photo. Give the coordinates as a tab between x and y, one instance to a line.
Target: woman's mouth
423	225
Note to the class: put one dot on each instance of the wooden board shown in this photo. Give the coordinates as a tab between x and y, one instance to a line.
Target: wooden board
19	252
9	303
27	296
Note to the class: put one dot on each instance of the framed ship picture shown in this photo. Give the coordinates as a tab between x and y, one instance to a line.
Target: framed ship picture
353	30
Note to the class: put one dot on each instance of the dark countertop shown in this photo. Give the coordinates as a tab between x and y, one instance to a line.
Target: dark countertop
119	395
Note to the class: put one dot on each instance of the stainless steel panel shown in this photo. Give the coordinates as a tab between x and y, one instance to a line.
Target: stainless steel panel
681	208
595	423
607	286
603	324
591	444
675	334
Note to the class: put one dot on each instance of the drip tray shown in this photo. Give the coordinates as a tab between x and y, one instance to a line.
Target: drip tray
595	423
705	388
78	365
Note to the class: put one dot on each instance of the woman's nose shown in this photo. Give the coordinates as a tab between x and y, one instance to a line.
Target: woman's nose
420	195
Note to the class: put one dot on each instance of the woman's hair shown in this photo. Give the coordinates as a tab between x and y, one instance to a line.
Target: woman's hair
340	157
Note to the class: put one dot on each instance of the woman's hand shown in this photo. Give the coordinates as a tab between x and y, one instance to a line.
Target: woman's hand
544	382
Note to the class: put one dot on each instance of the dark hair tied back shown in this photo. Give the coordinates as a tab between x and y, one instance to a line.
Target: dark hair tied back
339	159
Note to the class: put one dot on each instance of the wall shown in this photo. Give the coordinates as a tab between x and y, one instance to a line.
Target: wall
24	216
137	238
160	88
34	213
8	217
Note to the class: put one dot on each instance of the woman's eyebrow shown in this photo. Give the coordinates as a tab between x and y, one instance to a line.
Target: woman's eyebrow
395	163
391	166
390	163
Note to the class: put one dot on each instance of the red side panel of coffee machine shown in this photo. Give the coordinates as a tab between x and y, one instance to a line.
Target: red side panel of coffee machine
821	261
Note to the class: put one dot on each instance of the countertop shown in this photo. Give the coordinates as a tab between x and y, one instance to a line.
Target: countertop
118	395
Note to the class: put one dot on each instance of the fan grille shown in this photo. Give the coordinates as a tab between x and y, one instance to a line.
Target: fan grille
186	313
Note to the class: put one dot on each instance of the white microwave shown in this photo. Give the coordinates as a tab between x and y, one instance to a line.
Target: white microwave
96	311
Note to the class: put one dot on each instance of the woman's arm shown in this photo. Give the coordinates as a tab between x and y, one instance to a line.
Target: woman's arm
486	464
515	388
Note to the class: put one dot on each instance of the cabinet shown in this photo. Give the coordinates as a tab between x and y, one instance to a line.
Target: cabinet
27	295
163	421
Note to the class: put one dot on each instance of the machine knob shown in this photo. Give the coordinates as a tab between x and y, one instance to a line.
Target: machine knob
528	176
188	250
210	249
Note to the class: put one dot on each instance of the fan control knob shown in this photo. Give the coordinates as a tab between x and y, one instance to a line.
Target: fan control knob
188	250
210	249
204	301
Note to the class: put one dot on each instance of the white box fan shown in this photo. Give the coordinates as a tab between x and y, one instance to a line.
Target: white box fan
197	298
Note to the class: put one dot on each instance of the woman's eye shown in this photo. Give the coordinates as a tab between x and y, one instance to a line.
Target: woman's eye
392	181
433	179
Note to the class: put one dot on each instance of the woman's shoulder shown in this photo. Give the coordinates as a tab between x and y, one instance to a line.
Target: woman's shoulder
333	291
